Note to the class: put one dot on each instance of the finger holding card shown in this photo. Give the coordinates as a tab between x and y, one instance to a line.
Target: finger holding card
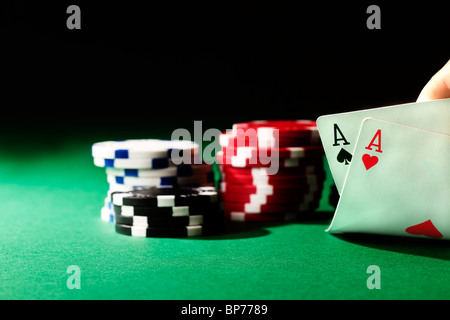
398	183
339	132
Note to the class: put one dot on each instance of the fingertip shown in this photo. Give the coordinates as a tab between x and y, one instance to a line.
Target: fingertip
438	87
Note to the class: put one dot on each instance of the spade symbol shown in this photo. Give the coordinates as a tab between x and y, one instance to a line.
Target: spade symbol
344	156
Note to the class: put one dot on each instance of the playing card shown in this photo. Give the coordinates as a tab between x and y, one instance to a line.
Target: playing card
339	132
398	183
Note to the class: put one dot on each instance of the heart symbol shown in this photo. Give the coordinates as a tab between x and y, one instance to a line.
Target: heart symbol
426	229
369	161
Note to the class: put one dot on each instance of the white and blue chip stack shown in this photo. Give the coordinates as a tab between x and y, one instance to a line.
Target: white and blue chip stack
146	163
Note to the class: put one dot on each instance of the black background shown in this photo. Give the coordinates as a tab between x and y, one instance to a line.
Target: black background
219	62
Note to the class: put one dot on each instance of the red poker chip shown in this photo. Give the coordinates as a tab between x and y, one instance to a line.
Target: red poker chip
286	128
269	208
251	139
270	189
261	217
240	162
231	197
284	153
288	125
282	172
272	180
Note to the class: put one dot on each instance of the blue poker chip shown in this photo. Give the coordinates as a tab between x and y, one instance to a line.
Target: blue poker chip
155	163
144	149
183	170
198	180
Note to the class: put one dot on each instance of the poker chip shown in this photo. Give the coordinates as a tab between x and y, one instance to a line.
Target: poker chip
270	179
282	172
289	127
176	211
250	139
284	153
153	194
154	163
203	179
167	212
166	197
170	206
161	232
107	214
120	187
268	208
144	149
244	162
271	171
145	221
262	217
272	134
261	157
269	189
156	189
184	170
266	198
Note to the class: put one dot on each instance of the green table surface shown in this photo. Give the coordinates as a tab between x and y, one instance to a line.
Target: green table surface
51	195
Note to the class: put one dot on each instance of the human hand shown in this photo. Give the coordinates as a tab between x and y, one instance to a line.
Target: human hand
438	87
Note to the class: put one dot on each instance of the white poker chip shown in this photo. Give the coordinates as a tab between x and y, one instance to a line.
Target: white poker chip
186	170
143	149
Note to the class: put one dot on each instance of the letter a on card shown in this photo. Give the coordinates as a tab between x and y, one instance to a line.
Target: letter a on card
376	137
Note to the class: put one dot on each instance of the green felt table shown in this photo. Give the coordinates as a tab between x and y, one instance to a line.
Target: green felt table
51	195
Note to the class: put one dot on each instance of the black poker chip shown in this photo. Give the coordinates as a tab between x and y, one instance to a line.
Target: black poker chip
166	211
166	197
160	232
168	221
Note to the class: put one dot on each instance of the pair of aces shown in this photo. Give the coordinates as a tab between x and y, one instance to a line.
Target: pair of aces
391	166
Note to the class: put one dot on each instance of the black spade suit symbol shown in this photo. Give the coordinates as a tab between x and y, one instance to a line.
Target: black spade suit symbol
344	157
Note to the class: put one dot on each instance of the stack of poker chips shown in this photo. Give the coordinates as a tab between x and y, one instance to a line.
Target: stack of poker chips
145	163
168	212
271	170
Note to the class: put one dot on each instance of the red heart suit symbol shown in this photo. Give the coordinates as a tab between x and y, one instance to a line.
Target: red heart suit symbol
426	229
369	161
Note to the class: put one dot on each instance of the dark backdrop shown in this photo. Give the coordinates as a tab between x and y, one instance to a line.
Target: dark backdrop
212	61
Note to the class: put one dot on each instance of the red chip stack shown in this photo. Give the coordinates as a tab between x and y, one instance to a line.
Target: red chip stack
271	170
